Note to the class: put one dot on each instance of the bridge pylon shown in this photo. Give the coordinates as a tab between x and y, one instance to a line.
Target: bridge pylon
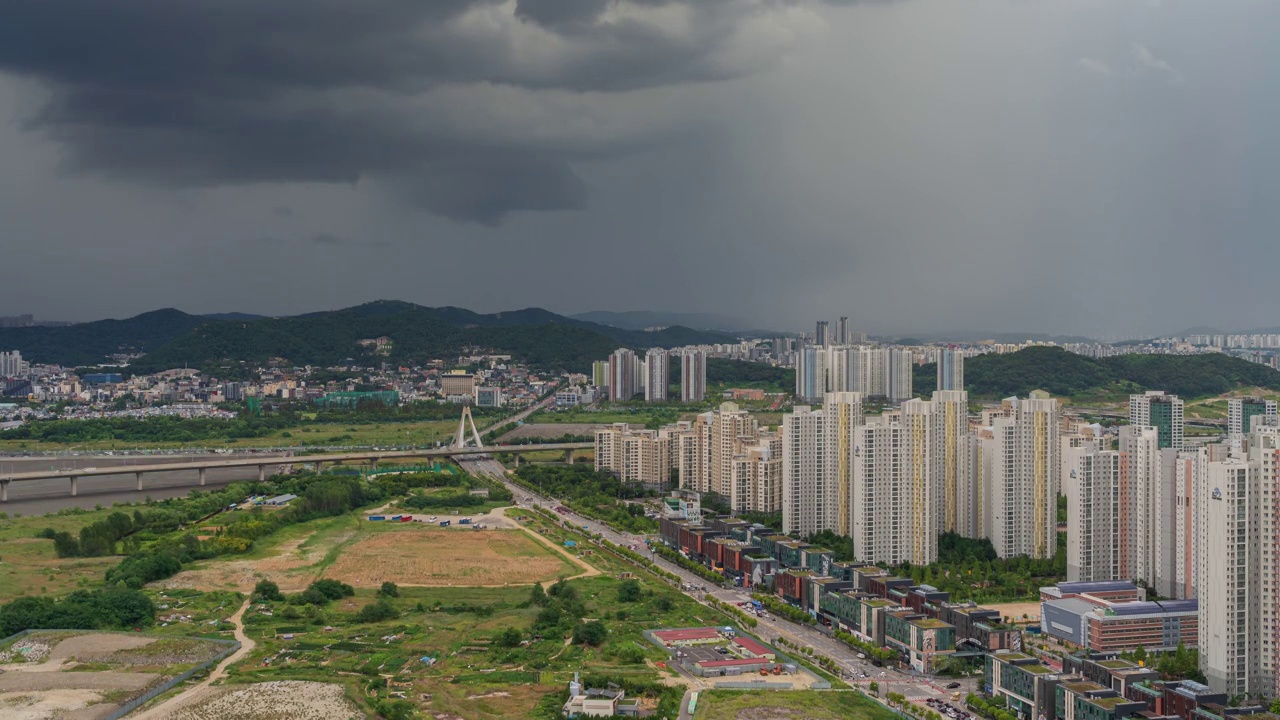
460	440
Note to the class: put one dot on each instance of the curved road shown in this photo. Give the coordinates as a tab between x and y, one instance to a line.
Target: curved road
194	693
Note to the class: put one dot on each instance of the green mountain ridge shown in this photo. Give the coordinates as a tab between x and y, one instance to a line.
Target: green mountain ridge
171	338
1065	374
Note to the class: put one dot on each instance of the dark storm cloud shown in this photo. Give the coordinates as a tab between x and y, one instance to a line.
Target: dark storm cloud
213	92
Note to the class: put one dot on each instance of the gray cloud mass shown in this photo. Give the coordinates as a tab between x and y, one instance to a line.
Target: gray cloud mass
1067	166
208	92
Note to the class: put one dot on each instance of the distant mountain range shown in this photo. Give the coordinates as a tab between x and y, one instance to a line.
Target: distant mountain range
641	319
171	338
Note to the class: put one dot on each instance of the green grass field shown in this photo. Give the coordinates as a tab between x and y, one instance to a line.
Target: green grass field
806	704
372	434
29	566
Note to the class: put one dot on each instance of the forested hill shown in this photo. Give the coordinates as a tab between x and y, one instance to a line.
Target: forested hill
171	338
90	343
1066	374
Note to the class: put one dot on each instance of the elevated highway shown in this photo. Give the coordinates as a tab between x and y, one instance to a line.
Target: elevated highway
202	467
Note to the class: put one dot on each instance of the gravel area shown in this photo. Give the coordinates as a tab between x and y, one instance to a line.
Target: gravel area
279	700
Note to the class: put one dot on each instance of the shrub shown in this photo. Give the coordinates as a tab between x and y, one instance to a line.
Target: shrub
389	589
590	633
379	611
267	591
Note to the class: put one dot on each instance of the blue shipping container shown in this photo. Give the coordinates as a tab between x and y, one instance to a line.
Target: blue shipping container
444	523
375	518
464	521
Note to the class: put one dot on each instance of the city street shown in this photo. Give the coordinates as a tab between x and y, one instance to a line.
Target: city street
889	679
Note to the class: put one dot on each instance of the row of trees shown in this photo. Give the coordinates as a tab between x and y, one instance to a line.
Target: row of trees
107	609
593	493
160	429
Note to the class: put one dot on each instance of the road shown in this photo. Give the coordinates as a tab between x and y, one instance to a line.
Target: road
852	669
196	693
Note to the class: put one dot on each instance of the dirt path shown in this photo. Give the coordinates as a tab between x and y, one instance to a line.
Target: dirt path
588	569
197	693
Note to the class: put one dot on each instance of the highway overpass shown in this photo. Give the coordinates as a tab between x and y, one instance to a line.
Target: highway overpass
262	462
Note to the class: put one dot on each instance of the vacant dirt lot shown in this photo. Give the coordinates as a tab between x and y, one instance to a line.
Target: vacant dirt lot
282	700
54	704
97	647
442	557
290	567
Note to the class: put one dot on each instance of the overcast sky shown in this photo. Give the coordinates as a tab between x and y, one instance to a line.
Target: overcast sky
1065	166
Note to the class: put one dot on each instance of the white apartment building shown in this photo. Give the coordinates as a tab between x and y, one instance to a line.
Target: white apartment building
757	475
899	379
657	374
635	455
705	448
1188	473
958	504
1021	466
893	520
811	374
624	375
1230	589
1161	411
922	478
951	369
808	504
693	376
842	413
1240	414
12	364
1093	511
1138	501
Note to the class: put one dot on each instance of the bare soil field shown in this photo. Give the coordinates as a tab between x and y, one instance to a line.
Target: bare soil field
290	567
280	700
433	557
53	684
61	704
1016	610
97	647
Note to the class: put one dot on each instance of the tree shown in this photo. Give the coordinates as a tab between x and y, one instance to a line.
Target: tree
629	591
664	604
394	709
389	589
538	596
590	633
379	611
509	637
267	591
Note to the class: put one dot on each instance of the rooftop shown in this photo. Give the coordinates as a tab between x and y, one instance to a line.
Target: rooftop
929	623
752	646
1109	702
706	633
1117	664
731	663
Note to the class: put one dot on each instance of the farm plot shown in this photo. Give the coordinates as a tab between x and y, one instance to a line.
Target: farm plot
434	557
276	700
